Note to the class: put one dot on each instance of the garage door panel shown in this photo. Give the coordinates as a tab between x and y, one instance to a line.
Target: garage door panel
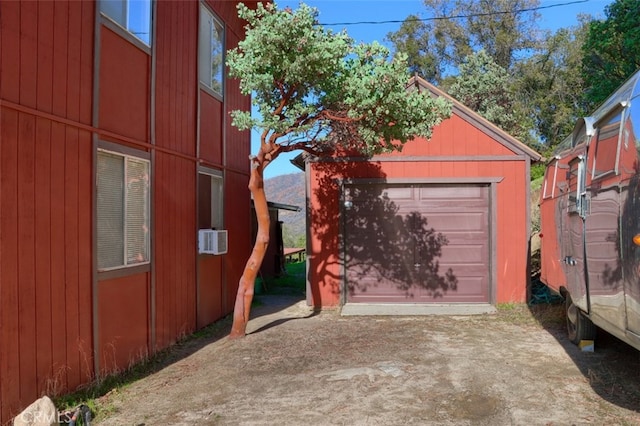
417	244
444	192
463	254
456	222
468	290
397	192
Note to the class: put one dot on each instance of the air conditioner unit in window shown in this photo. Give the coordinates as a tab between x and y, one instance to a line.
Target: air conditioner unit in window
212	241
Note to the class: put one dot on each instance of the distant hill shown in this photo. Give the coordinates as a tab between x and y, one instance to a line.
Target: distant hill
289	189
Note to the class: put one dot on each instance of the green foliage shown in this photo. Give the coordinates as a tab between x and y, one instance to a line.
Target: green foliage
611	50
550	85
413	40
486	87
294	279
318	91
537	171
500	27
290	239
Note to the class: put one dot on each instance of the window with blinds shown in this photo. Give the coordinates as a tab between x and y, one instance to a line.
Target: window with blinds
122	190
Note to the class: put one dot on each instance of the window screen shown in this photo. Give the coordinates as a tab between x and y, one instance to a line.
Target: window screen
123	210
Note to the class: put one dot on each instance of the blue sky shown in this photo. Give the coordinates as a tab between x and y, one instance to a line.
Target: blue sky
346	11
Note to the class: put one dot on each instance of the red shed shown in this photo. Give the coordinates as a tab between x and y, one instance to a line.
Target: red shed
443	223
116	149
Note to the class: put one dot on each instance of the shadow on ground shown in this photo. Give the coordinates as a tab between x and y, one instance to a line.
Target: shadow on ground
612	369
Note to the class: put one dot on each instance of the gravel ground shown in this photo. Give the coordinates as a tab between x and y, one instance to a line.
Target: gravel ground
297	367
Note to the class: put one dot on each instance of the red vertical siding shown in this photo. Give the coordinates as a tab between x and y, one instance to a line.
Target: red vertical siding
238	223
458	142
210	295
175	177
43	271
60	53
211	129
44	338
46	193
10	51
223	145
45	200
176	79
123	314
86	62
175	251
58	299
124	87
26	242
45	56
9	332
28	60
237	152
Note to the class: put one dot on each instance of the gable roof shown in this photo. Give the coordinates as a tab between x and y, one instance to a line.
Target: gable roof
465	113
475	119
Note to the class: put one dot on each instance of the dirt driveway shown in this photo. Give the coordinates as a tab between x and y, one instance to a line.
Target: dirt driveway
297	368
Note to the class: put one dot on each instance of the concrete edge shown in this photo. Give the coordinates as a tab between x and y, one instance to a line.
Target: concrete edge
363	309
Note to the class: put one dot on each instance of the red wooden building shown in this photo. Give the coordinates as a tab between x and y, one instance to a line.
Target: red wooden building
115	148
445	221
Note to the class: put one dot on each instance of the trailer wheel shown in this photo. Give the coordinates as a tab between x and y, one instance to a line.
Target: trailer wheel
579	327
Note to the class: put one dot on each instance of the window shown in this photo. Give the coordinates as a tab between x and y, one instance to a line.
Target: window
211	51
606	155
122	190
550	180
132	15
211	206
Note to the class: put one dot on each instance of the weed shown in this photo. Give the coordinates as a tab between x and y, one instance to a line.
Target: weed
549	315
96	394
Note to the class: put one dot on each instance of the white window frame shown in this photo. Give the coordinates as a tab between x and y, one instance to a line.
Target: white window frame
127	262
211	36
130	15
549	181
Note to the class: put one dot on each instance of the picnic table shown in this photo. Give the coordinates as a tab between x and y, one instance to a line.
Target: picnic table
292	253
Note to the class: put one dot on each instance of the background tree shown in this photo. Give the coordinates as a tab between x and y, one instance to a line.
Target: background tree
486	87
550	86
611	50
318	92
413	39
456	29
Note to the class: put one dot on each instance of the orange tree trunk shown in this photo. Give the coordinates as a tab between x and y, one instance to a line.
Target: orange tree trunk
247	280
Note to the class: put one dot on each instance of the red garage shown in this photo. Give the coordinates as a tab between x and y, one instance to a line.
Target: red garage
443	223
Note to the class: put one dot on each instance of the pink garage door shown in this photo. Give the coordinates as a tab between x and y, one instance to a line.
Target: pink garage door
416	243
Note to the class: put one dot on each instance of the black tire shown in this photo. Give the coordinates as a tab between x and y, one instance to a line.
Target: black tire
579	327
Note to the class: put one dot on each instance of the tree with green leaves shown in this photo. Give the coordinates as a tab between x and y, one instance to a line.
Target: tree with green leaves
611	50
550	86
317	91
454	29
413	39
486	87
